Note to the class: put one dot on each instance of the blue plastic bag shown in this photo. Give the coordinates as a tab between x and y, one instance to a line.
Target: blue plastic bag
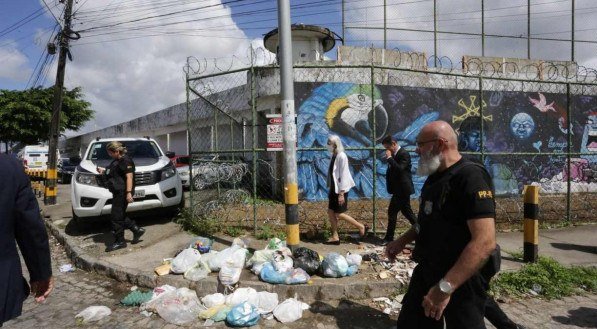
334	265
242	315
270	275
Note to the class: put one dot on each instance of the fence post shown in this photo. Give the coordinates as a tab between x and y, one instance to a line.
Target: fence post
531	223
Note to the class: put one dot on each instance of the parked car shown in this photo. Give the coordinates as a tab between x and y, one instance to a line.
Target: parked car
66	169
35	156
157	184
180	160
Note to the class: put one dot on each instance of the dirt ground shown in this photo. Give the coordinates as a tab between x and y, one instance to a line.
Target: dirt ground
313	215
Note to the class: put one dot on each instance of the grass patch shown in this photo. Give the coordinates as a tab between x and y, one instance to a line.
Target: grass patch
267	232
546	278
202	226
233	231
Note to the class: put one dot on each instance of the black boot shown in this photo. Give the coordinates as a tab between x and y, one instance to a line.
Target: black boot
137	233
116	245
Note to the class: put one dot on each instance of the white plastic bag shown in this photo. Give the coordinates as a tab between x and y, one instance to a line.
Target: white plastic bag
282	263
158	293
185	260
290	310
179	307
267	302
235	252
261	256
208	258
242	295
198	272
354	259
92	313
229	275
213	300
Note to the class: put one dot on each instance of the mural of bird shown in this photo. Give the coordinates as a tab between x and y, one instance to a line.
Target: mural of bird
348	110
541	104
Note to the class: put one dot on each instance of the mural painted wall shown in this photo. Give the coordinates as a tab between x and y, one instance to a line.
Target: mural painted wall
513	122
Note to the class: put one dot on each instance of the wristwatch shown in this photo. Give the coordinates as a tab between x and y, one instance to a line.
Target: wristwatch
445	286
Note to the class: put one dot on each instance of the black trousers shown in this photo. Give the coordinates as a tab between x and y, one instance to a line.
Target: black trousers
496	315
465	309
120	220
398	203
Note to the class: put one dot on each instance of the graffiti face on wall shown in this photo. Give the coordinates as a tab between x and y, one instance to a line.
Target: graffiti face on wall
512	122
522	126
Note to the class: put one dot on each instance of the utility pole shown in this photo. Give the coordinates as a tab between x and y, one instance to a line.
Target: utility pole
289	125
51	184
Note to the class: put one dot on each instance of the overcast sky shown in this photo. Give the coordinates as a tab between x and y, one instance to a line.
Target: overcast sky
130	56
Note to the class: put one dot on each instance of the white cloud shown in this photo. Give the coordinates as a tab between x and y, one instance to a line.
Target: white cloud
549	19
125	79
14	63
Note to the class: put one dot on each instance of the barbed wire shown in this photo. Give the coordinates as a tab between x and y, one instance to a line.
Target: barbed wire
211	173
469	66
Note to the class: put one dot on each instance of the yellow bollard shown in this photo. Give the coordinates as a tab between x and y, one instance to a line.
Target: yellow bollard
531	223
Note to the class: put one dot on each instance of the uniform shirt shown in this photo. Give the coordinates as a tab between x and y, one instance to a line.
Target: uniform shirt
449	199
116	173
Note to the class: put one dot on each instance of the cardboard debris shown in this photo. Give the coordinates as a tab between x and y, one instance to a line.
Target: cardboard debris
163	269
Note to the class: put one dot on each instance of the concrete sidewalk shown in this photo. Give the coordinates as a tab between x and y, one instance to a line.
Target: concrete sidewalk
85	246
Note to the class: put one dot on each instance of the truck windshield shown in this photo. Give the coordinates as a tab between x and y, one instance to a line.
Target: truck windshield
135	149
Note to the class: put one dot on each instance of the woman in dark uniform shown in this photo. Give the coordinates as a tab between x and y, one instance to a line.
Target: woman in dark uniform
121	182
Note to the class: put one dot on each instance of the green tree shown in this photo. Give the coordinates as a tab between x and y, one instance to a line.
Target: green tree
25	115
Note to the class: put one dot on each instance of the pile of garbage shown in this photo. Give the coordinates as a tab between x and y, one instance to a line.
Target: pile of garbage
242	308
274	264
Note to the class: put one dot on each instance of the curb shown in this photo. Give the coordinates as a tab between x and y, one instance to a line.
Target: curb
318	291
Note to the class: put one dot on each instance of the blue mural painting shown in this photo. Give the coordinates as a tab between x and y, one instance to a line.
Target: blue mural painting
533	123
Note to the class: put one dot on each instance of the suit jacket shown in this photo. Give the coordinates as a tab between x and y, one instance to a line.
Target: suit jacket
20	222
341	177
399	180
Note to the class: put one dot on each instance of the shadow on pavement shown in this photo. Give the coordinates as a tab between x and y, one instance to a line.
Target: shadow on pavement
349	314
582	317
572	246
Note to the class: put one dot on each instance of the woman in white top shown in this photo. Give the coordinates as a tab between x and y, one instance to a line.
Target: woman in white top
339	183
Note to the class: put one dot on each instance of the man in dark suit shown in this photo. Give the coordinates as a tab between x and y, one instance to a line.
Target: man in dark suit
20	222
399	183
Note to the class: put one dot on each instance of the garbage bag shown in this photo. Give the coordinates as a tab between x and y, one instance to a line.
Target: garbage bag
257	268
242	295
216	313
242	315
213	300
136	298
267	302
275	244
201	243
234	253
158	294
185	260
198	272
282	263
290	310
229	274
261	256
352	270
354	259
297	276
269	274
306	259
334	265
92	313
208	259
179	307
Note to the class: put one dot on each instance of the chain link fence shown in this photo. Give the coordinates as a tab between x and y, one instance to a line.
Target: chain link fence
529	124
